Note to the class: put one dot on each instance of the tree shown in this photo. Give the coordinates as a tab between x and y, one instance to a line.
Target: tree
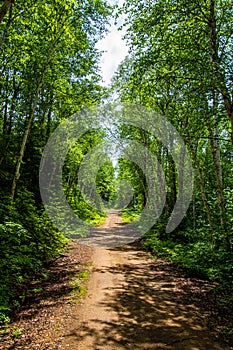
61	66
180	65
49	70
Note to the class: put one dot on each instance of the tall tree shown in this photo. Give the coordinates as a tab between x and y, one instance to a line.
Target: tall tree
63	66
180	64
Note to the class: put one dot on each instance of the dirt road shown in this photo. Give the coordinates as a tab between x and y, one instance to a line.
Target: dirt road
134	302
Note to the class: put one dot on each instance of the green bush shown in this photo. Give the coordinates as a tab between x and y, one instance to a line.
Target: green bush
201	257
27	243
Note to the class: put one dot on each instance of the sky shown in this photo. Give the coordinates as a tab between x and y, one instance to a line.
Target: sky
114	49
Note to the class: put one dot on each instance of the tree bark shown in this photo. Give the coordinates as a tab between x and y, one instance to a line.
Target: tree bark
6	29
215	150
31	116
7	123
27	131
5	8
216	61
201	181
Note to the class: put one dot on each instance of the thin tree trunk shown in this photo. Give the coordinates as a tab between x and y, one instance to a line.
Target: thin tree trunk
32	112
8	124
8	121
27	131
172	174
215	150
201	181
159	172
49	117
219	77
194	210
143	180
5	32
5	8
6	106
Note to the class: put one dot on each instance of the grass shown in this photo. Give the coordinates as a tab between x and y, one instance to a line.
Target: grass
129	216
78	287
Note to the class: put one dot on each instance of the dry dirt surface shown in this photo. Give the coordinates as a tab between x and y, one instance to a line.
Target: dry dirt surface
37	323
132	302
113	233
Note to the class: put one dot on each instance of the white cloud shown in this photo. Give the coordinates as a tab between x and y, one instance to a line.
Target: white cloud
115	51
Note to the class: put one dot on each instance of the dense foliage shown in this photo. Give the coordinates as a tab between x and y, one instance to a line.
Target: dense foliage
49	70
180	65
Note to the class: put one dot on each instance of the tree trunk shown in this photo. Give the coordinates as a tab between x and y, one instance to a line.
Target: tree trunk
172	173
48	128
216	61
31	115
27	131
215	150
7	123
201	181
5	32
5	8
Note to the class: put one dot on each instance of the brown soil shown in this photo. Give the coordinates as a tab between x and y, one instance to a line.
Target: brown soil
133	302
40	317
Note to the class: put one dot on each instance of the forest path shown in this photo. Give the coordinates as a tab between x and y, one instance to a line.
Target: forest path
135	302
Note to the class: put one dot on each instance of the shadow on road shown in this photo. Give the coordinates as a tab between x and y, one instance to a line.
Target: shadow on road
149	308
